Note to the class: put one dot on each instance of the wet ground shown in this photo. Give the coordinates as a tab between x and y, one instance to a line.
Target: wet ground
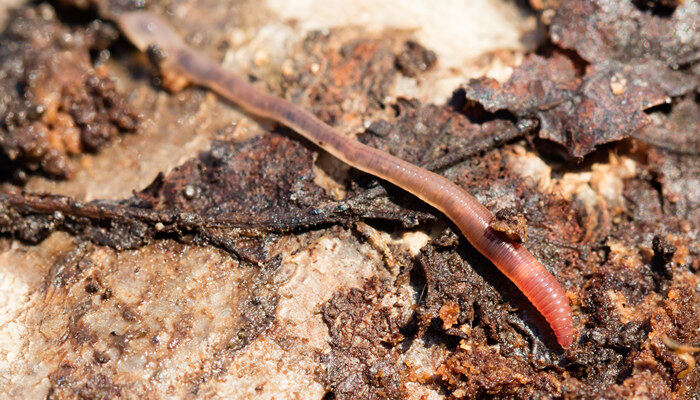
166	244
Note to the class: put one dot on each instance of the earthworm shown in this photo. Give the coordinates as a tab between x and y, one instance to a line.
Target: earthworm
146	30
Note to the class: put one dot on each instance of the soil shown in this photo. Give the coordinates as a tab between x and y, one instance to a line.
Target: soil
166	244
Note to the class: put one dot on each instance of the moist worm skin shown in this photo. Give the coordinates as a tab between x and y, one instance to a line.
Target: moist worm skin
539	286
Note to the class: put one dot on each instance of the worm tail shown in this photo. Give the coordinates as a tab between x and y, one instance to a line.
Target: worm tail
541	288
545	293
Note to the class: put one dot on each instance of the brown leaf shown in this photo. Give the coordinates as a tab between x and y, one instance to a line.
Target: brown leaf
604	105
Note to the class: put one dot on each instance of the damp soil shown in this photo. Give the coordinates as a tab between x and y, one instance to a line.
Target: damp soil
588	154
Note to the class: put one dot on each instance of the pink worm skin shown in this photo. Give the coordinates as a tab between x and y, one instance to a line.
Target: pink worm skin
539	286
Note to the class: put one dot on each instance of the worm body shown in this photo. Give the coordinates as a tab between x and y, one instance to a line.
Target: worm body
539	286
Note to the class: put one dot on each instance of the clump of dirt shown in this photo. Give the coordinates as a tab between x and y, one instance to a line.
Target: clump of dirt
55	104
341	80
476	371
415	59
510	223
365	325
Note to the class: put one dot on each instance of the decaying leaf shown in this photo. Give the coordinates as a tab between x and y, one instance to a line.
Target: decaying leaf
607	103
